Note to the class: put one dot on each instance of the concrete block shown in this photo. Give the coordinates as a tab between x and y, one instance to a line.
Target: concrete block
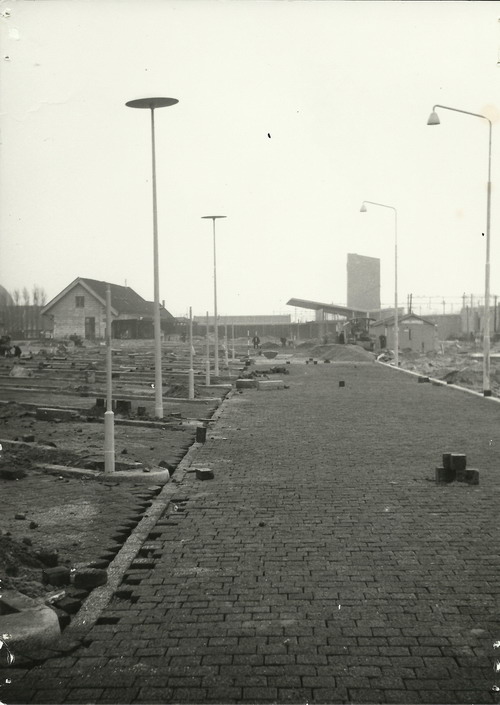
69	604
423	379
201	434
90	577
444	475
57	576
458	463
246	384
270	384
123	406
204	474
447	461
471	476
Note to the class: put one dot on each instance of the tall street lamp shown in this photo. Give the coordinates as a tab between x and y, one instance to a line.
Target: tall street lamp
216	331
151	104
434	120
363	209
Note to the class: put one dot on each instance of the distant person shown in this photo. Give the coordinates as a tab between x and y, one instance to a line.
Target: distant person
256	341
341	337
17	351
383	341
283	342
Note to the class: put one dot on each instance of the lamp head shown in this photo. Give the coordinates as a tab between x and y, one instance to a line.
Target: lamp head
363	208
433	119
151	103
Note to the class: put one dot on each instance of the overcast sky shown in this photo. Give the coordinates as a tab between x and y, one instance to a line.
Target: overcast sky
290	114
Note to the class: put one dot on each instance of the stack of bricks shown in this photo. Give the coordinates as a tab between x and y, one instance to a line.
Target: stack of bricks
454	468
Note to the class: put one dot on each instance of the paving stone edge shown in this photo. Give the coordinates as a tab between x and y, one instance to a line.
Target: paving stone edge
88	614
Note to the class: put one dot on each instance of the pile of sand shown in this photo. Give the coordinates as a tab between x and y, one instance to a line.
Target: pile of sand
341	353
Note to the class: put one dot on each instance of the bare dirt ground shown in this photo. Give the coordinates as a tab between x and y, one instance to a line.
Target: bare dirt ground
456	363
50	518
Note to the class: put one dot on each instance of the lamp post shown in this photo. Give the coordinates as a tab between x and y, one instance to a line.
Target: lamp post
363	209
216	332
434	120
151	104
109	417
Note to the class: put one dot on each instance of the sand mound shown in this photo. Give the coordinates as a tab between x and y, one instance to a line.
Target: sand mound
341	353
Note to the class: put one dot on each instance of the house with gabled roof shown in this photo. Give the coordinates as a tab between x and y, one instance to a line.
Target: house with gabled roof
414	332
80	309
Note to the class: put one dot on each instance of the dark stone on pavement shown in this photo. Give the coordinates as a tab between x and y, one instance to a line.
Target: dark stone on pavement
60	575
204	474
471	476
69	604
445	475
90	577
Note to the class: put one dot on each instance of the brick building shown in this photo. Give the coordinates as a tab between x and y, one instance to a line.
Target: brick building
80	309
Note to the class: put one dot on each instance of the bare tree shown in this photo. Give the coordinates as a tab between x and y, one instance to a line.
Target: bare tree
16	297
26	296
38	295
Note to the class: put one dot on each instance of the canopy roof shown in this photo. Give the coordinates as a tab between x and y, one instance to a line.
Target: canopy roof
328	308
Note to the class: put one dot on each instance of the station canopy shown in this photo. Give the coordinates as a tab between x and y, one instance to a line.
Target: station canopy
329	308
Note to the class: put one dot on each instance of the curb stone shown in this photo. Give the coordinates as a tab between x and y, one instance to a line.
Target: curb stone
91	609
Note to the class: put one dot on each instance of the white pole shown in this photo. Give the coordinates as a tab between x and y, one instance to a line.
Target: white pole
226	356
396	313
151	104
191	371
109	417
216	322
156	318
248	343
207	363
486	332
232	335
434	120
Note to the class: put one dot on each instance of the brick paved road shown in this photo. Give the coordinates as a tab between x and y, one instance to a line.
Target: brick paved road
321	564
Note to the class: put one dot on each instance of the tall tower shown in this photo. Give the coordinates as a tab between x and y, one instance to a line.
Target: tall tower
363	282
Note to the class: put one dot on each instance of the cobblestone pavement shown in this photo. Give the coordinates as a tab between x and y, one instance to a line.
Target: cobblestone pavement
321	564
